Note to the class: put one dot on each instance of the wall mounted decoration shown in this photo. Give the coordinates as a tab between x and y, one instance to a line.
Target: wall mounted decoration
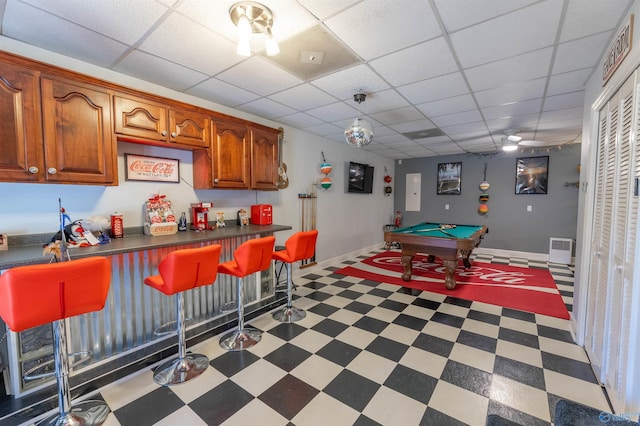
532	175
155	169
449	182
325	169
387	182
483	208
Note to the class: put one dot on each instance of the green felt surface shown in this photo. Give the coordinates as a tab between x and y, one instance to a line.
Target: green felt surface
427	229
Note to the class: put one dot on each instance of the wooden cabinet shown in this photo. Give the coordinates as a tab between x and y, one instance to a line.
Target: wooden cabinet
231	152
21	154
264	159
243	156
78	142
138	118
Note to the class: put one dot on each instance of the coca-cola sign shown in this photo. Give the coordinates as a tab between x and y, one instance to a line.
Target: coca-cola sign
142	167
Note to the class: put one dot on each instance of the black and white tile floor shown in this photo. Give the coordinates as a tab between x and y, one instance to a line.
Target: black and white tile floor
371	353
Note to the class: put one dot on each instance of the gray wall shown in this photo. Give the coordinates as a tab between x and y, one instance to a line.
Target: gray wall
511	227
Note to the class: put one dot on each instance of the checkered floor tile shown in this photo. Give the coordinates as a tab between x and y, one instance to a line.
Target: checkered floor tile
370	353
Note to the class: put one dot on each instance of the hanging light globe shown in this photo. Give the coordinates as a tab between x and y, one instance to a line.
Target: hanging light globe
359	134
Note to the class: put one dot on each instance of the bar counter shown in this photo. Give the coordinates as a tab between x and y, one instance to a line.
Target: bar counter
124	334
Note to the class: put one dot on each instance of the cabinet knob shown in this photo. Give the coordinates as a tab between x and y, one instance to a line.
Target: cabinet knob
216	180
52	170
33	170
174	134
164	133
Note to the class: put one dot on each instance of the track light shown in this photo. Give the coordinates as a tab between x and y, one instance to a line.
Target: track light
253	18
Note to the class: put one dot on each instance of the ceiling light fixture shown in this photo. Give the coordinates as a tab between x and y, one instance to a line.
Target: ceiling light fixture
253	18
360	132
509	146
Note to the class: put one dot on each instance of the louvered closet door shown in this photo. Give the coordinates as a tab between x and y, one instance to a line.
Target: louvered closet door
612	259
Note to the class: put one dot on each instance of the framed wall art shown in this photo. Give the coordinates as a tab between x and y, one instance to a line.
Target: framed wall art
532	175
449	182
155	169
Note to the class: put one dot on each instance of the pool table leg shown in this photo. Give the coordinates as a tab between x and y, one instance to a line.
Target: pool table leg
406	261
465	258
449	275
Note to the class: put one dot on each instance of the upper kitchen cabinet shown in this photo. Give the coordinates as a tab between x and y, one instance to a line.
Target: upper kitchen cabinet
141	119
21	154
264	159
79	145
230	152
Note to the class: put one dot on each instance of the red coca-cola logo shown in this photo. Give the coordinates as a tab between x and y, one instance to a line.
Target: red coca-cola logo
157	167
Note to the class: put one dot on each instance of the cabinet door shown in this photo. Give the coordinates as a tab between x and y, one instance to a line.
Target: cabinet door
189	128
140	119
264	159
79	143
21	157
230	156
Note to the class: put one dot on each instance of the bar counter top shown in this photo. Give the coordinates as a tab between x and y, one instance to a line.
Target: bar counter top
32	254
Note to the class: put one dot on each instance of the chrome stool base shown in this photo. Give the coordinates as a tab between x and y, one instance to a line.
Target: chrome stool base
86	413
289	314
179	370
240	339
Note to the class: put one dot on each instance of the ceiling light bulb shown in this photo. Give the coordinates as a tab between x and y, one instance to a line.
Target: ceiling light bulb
244	28
509	147
359	134
271	44
244	48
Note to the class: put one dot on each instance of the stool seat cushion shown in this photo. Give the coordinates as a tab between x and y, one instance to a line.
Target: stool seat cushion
39	294
250	257
300	246
186	269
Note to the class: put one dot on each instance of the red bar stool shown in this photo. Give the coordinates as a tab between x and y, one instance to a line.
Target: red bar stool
183	270
301	245
250	257
39	294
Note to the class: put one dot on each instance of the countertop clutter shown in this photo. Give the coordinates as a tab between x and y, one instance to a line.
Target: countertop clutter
32	254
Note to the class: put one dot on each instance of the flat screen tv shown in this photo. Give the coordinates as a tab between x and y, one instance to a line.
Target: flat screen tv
360	179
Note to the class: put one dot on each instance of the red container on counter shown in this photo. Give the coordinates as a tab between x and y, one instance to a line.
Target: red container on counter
117	226
261	214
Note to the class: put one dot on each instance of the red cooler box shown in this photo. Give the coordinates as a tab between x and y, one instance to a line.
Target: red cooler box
261	214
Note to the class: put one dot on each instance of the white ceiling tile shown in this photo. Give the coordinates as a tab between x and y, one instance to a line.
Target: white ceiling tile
457	14
463	130
428	59
515	92
156	70
472	116
526	107
568	82
266	108
526	67
300	120
591	17
382	101
270	79
448	150
516	33
325	8
412	23
344	83
564	101
126	21
413	126
563	114
334	112
324	129
56	35
167	41
448	106
222	93
574	55
396	116
434	89
303	97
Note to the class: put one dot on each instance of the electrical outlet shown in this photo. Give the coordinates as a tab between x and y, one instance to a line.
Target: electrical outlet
529	208
446	206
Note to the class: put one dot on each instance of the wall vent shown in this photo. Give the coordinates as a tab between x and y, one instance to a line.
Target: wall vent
560	250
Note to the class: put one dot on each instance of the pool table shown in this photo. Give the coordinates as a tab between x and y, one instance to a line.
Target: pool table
448	242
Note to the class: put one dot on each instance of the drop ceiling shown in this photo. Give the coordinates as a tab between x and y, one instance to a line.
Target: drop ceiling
441	76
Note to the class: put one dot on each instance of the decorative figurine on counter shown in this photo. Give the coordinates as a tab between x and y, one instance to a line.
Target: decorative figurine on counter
182	223
243	218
